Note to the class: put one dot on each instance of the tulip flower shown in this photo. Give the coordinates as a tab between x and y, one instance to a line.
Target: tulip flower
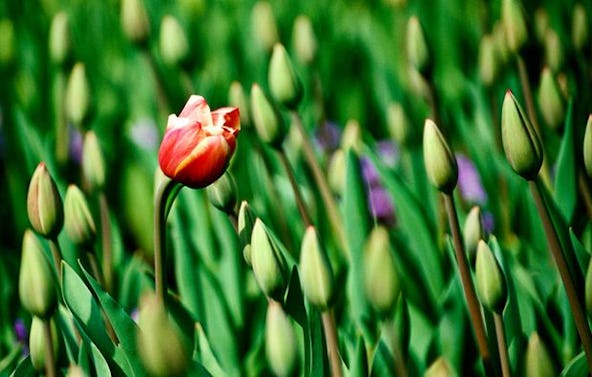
198	144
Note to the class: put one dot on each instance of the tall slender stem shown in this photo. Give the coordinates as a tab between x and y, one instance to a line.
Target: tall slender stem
322	184
299	200
332	342
555	248
585	192
50	366
106	243
502	344
525	83
467	283
94	268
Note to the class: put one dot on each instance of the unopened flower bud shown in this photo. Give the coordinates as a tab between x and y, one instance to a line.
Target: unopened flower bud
77	95
417	47
352	136
37	342
163	349
222	193
514	24
304	39
316	274
473	232
551	101
93	164
281	347
440	163
336	172
263	25
520	140
246	221
541	24
398	124
134	21
75	371
44	204
268	122
554	54
78	220
579	27
37	289
488	61
59	38
588	146
238	98
490	282
501	47
284	84
439	368
381	279
7	41
174	46
538	360
269	265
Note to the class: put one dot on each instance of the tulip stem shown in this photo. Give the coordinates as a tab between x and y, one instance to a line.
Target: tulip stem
585	192
525	83
106	243
322	184
50	366
558	255
57	256
467	283
165	195
433	101
299	200
502	347
332	342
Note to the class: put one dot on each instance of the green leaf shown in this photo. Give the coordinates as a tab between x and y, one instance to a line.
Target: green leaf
24	369
84	357
582	255
205	354
101	366
565	180
359	365
577	367
9	361
383	364
295	308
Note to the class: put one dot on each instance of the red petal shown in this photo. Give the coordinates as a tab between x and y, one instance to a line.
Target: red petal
206	163
176	145
227	117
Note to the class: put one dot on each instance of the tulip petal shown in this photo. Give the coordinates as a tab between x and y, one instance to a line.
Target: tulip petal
197	110
206	162
176	145
227	117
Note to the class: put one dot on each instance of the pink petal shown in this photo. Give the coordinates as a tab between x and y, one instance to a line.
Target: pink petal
227	117
197	110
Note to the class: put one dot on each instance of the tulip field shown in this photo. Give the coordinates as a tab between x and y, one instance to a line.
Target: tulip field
308	188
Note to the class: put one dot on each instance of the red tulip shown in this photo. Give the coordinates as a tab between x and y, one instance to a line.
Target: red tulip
198	144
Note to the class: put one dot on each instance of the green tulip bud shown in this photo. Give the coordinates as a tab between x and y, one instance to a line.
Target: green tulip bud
541	24
134	21
281	347
93	164
304	39
588	288
37	342
538	361
163	349
77	95
398	124
520	140
554	52
501	47
352	136
336	172
417	47
440	163
579	27
440	368
7	41
263	25
284	84
246	220
238	98
316	274
588	146
490	282
488	60
59	38
269	265
473	232
551	102
37	290
78	221
269	124
174	47
514	25
222	193
75	371
44	204
381	279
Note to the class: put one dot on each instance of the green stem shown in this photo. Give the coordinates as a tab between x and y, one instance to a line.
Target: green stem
323	185
165	194
433	102
106	243
467	283
502	344
50	366
61	127
332	342
299	200
94	268
558	255
525	84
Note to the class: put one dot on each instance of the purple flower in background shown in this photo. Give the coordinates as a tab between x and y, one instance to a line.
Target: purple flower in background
75	146
144	134
135	315
328	136
469	181
388	152
369	172
381	205
488	222
20	332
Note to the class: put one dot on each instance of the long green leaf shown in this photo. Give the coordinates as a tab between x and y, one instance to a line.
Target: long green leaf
565	180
